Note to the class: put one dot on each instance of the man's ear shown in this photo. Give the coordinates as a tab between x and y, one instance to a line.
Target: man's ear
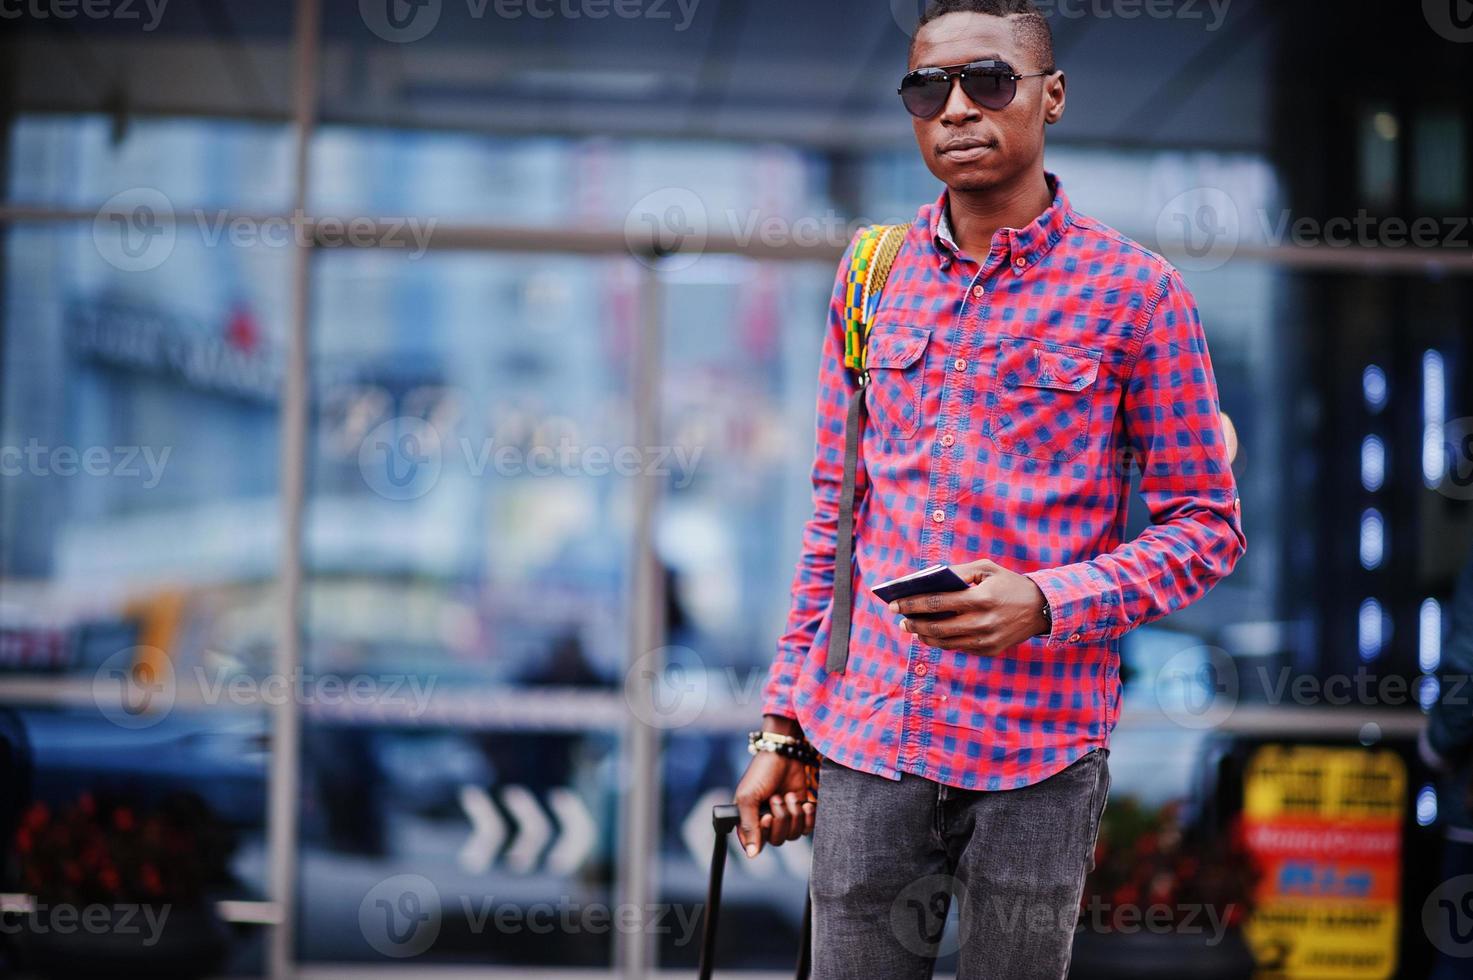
1053	96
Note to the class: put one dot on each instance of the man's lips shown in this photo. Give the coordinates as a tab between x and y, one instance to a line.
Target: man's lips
965	148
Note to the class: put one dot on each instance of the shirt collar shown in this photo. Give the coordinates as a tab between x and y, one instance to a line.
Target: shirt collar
1021	248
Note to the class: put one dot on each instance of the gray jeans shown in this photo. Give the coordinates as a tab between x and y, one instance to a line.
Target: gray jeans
892	859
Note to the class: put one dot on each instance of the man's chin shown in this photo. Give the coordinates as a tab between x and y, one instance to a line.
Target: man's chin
971	181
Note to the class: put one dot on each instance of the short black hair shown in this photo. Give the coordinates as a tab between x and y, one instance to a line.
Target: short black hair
1032	29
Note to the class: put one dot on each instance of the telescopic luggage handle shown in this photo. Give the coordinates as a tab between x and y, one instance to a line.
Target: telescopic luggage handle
725	818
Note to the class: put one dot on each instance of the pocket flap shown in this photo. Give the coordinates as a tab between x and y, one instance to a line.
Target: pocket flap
1060	368
893	346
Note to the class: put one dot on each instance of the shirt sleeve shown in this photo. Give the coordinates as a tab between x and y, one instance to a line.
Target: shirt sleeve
1173	426
813	580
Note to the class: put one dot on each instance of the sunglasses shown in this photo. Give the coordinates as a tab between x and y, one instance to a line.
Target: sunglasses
991	84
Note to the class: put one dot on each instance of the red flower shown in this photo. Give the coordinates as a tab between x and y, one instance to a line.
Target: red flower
37	815
123	819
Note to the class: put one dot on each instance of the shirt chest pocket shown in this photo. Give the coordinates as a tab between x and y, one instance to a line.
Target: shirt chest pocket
896	361
1042	398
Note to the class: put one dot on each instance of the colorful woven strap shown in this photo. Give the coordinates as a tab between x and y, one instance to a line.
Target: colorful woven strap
874	253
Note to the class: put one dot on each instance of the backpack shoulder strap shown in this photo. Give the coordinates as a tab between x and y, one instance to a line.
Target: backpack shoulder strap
870	262
875	248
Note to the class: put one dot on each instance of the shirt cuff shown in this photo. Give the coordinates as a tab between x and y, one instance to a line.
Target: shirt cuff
780	704
1064	615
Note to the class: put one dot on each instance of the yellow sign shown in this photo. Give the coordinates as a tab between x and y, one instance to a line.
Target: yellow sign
1324	827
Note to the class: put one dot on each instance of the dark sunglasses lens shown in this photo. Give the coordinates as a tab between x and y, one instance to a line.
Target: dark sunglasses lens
990	91
924	95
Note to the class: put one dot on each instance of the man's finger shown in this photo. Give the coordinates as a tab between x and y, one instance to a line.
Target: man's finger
747	827
946	629
795	826
976	571
778	832
933	603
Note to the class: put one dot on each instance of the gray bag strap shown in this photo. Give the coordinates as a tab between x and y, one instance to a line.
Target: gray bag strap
871	260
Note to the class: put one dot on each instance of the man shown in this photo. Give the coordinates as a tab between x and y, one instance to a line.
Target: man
1019	353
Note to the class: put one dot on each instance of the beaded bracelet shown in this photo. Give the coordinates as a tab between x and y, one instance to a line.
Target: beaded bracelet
800	750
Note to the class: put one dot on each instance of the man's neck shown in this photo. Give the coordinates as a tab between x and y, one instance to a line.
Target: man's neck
977	215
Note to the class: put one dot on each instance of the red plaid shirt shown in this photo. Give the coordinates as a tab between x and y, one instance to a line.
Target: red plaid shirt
1011	396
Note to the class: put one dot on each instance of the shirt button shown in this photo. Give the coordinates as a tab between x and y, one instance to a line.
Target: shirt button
938	515
959	364
920	670
1020	262
948	440
1074	638
978	292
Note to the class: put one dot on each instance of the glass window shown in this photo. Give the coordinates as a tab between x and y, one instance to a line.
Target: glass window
138	537
469	539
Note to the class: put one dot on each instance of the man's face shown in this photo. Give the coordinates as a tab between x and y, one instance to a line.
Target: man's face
970	148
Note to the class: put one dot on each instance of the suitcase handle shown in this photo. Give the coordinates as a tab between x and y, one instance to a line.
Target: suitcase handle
724	819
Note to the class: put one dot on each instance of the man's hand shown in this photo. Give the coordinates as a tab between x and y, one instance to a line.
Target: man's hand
782	784
1000	610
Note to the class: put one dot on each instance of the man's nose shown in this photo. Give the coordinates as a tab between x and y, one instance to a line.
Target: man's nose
959	108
